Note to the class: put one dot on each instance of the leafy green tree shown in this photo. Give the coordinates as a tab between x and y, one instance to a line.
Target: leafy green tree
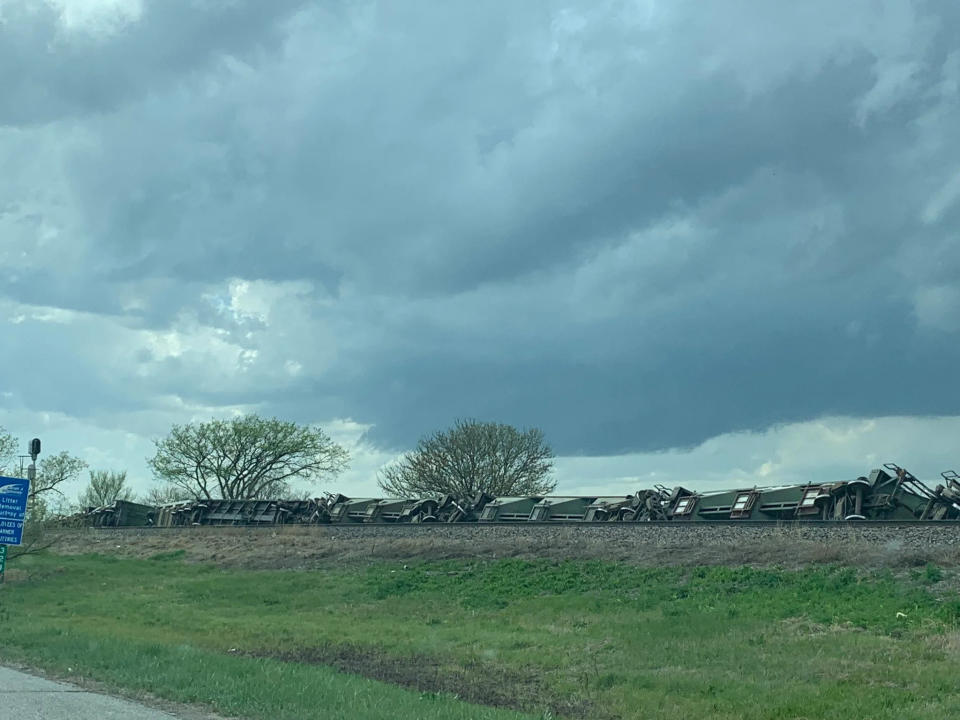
45	498
246	457
8	451
105	488
473	457
52	472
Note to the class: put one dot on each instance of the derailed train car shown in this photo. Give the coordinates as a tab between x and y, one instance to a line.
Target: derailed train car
891	493
888	493
121	513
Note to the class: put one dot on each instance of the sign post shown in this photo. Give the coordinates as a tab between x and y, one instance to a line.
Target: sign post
3	561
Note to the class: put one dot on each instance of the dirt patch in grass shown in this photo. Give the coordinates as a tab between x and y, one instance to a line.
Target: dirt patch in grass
475	682
807	628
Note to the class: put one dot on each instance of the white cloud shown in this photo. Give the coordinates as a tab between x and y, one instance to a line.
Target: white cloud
818	451
97	17
824	450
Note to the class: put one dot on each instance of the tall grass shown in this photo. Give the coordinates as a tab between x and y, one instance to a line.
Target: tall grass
584	638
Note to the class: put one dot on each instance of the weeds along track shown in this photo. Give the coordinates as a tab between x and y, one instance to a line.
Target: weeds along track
884	544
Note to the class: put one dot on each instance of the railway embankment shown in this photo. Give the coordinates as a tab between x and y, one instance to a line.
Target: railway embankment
298	547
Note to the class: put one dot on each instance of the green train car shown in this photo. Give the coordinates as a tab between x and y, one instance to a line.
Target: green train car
888	493
891	493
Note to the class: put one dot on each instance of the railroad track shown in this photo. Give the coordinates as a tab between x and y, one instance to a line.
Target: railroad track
431	527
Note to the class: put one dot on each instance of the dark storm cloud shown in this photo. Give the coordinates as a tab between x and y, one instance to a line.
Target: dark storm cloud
48	72
636	225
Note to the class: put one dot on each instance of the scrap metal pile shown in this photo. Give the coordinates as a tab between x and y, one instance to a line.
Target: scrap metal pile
891	493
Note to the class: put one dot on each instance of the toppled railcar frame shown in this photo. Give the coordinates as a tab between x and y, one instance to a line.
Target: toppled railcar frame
891	493
888	493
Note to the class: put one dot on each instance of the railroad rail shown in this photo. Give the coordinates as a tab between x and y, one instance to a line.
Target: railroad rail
430	527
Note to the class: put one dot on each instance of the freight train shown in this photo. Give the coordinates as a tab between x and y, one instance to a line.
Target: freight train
888	493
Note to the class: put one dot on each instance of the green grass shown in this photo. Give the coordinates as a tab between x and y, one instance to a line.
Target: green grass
581	638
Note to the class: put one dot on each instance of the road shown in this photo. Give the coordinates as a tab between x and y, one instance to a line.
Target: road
26	697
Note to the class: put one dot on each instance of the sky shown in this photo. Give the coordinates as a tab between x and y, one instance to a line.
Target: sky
710	244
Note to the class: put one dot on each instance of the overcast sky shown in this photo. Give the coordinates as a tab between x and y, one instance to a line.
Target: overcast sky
700	243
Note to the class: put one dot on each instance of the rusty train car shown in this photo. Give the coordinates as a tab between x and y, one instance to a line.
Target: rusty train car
887	493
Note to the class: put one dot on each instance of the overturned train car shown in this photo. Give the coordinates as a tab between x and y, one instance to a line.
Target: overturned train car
888	493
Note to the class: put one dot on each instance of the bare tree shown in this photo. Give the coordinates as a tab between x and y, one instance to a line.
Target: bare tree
473	457
166	494
247	457
105	488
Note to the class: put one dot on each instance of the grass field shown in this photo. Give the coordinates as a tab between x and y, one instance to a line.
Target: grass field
552	639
